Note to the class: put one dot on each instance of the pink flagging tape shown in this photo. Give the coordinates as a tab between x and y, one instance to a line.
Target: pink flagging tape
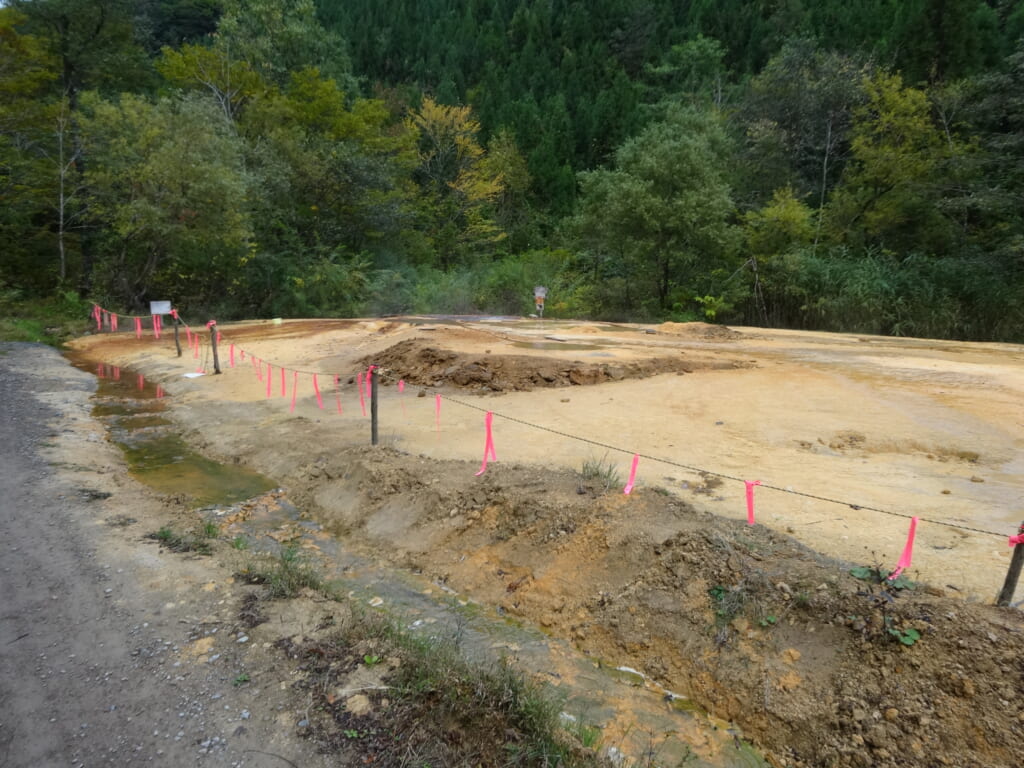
284	385
270	378
295	389
337	391
488	443
908	549
113	321
1015	540
159	392
156	326
219	337
437	412
359	386
188	336
632	475
96	317
231	355
368	380
750	499
316	389
401	386
138	327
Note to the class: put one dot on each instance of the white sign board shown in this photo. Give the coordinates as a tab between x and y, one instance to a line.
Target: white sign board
159	307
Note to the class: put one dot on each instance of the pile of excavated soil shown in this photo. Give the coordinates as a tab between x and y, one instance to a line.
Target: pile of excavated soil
424	364
816	666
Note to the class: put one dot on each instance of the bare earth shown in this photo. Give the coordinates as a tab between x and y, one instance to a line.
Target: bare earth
752	623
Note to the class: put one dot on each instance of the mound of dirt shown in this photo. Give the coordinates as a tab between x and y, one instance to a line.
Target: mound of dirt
423	364
700	331
818	663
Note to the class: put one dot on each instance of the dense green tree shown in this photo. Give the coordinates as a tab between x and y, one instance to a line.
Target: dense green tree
660	219
168	183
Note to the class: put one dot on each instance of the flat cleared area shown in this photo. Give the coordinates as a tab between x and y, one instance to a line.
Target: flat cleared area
913	427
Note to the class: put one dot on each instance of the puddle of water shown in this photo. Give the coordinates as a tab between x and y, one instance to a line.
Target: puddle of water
130	406
637	718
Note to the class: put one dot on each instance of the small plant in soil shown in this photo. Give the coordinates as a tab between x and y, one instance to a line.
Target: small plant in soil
177	542
285	575
877	575
602	472
242	679
240	543
210	530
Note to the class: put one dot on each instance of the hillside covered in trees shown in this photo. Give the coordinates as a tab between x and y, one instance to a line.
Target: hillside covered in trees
851	165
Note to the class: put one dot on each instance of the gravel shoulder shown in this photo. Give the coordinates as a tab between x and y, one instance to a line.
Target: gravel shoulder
113	652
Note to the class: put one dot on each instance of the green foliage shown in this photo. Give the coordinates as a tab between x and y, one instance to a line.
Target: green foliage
877	575
601	471
285	575
179	542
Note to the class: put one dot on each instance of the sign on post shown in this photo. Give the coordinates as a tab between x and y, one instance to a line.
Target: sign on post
159	307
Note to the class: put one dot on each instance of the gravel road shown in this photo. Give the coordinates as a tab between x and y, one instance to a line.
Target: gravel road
96	625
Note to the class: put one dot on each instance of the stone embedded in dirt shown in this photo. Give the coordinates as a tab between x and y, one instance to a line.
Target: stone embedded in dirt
358	704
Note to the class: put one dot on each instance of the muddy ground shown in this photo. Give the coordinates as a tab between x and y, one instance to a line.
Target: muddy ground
761	625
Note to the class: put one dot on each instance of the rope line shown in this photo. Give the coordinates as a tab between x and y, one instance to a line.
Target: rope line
712	473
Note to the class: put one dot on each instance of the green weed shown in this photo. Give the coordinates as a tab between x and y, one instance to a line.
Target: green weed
601	472
177	542
285	575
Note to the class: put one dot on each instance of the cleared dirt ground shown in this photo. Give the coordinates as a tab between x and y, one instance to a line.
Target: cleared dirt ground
759	625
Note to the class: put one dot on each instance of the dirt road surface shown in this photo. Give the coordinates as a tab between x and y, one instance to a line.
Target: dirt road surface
107	644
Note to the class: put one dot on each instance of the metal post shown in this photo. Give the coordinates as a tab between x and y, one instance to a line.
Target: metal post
373	405
1016	562
213	345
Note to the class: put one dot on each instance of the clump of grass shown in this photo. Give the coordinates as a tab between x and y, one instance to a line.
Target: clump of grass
285	575
179	542
210	530
443	709
240	543
602	472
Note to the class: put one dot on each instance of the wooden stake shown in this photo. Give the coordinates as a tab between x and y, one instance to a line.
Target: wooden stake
373	405
213	345
177	340
1016	562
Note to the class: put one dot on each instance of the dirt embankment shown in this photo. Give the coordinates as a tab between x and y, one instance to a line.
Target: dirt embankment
423	364
818	667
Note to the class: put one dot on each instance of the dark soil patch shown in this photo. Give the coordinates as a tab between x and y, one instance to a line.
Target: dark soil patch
421	364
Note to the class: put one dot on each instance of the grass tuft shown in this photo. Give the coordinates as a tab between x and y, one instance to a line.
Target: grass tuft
285	575
601	472
179	542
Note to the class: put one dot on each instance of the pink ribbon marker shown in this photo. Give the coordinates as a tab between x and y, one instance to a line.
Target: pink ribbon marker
295	389
904	562
632	475
1015	540
231	355
138	327
159	392
270	370
337	391
284	385
750	499
488	444
359	386
369	373
156	326
437	412
219	336
96	317
316	388
113	322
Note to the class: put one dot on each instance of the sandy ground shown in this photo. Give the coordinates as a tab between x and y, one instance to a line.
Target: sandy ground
914	427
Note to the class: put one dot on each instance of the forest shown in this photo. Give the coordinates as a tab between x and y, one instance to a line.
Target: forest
839	165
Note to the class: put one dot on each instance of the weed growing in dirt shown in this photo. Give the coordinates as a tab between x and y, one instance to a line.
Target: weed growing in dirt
285	575
242	679
210	530
177	542
727	602
441	709
877	575
240	543
601	472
